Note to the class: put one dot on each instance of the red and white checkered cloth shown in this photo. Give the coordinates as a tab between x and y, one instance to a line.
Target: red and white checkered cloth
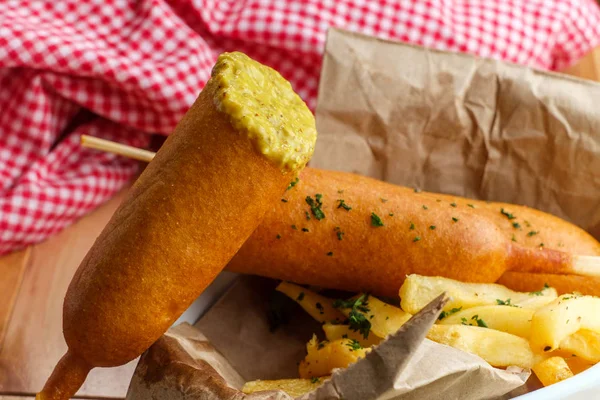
123	69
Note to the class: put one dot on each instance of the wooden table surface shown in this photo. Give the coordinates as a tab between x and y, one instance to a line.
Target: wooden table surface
32	286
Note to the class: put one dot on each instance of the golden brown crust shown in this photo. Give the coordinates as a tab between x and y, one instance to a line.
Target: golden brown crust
534	228
200	198
474	248
527	282
370	258
186	216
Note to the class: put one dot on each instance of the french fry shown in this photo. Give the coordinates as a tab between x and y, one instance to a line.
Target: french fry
383	318
499	349
584	344
563	317
335	332
577	364
319	307
323	357
552	370
513	320
293	387
417	291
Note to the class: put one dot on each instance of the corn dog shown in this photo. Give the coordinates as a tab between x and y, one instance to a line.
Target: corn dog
349	232
232	156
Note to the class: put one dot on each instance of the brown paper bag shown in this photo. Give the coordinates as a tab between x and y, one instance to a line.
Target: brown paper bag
453	123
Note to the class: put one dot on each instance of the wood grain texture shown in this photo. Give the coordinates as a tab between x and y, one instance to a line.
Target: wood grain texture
12	269
33	341
588	67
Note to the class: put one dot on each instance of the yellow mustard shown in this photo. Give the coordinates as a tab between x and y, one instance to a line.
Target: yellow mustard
263	105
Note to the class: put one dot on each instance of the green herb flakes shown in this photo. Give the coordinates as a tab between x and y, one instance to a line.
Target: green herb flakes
507	214
516	225
315	206
432	227
339	233
293	183
445	314
454	219
344	205
375	220
354	344
416	239
532	233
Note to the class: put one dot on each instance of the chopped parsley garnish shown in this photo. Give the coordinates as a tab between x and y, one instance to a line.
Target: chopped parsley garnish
417	190
339	233
539	292
354	344
330	254
321	344
278	236
454	219
505	303
532	233
383	200
452	204
300	296
514	239
527	224
340	191
471	205
432	227
481	323
507	214
293	183
391	214
344	205
320	308
464	321
541	244
315	206
294	227
356	319
314	379
425	207
516	225
358	322
304	229
284	201
375	220
412	226
416	239
444	314
307	215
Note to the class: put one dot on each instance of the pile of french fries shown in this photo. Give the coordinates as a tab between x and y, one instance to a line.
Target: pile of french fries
555	336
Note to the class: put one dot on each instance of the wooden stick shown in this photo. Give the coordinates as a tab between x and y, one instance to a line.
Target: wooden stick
117	148
586	265
581	265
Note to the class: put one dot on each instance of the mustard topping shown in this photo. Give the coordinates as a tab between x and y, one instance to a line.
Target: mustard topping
262	105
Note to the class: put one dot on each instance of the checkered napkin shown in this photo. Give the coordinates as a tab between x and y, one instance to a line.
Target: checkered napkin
124	69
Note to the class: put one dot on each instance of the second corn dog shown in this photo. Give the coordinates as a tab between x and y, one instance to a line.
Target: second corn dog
345	231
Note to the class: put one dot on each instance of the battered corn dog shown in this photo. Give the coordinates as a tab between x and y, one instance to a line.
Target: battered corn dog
344	231
231	157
